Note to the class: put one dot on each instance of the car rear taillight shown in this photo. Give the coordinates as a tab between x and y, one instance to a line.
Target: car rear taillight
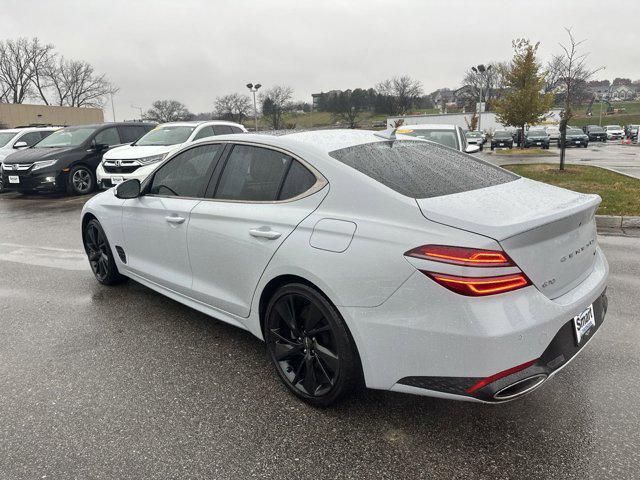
480	286
471	286
471	257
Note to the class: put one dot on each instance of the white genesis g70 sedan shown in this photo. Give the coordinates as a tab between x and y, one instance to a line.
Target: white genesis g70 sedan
392	262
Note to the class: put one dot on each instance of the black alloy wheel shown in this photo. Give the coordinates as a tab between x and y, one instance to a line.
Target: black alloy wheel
310	346
81	180
98	250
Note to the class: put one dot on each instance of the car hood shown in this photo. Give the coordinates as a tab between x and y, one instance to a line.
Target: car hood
128	152
36	154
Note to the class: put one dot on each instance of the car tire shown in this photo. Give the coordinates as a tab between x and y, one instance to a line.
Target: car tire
310	345
100	255
81	180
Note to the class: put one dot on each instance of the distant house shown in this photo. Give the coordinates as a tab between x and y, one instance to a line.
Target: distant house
443	97
622	93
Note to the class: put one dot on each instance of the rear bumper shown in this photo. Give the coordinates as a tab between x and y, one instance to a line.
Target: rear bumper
427	340
558	353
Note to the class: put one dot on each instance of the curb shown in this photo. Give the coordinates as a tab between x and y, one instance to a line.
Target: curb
618	225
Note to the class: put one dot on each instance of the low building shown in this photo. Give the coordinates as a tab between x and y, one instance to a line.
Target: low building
315	97
21	114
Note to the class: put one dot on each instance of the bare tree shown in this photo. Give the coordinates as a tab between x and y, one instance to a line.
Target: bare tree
20	62
76	84
403	93
167	111
275	102
573	72
234	107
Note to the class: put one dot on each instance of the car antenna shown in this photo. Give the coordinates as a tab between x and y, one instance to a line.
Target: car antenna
390	132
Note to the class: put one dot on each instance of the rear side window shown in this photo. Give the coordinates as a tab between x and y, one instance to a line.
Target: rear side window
222	129
298	180
236	129
132	133
252	174
420	169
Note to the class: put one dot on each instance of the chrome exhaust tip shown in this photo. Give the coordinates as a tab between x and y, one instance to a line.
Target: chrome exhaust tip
520	387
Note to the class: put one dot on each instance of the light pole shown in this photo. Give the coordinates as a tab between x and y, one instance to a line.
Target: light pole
481	70
253	89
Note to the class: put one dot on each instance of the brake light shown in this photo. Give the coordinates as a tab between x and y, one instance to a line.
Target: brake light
486	381
472	257
480	286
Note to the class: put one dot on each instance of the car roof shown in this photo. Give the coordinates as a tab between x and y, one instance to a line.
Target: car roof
330	140
196	123
26	129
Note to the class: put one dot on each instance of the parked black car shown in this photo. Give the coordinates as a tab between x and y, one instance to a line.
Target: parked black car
536	138
502	139
575	138
66	160
595	133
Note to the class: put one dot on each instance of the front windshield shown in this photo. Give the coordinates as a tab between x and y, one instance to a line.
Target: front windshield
167	135
474	134
5	137
596	129
574	131
613	127
536	133
502	135
448	138
67	137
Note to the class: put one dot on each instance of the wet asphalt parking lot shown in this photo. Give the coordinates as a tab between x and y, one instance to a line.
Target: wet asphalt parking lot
121	382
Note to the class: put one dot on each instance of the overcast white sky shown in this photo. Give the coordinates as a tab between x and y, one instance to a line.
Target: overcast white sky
195	50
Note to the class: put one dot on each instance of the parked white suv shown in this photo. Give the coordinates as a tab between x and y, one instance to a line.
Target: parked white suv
14	139
140	158
18	138
614	132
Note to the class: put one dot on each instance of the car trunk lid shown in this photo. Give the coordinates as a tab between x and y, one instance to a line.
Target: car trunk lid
548	231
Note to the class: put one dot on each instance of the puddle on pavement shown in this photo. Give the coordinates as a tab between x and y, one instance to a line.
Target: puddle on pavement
65	259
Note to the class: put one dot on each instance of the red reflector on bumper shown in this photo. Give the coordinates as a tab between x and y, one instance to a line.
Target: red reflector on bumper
486	381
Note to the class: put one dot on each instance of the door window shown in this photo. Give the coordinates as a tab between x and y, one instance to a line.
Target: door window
252	174
30	138
204	133
108	136
187	174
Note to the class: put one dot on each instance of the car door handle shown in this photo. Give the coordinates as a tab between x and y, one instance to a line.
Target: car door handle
174	220
264	233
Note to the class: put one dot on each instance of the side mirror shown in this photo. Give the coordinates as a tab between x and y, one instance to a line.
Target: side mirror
472	149
128	189
18	145
100	147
